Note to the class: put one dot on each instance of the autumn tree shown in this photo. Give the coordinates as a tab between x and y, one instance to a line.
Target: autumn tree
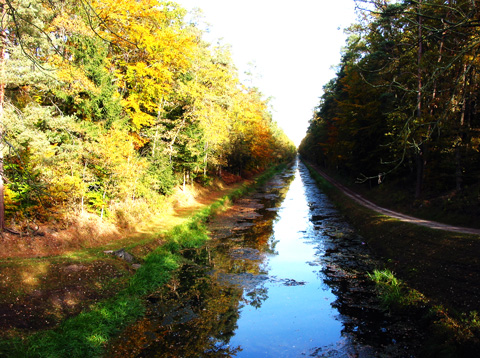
207	96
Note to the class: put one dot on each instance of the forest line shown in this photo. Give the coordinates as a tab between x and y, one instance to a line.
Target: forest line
402	111
106	106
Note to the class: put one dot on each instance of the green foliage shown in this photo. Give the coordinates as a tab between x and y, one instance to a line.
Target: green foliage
97	202
87	333
160	176
97	102
388	286
155	271
25	192
471	322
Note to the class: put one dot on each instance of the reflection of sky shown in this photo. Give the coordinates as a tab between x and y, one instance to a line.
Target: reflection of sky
294	319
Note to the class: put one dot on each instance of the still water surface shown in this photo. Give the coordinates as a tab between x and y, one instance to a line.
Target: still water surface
281	277
298	316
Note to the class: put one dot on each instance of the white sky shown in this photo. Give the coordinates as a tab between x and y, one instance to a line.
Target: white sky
293	44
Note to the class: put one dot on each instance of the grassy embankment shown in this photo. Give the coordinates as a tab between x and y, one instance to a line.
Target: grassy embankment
429	274
86	334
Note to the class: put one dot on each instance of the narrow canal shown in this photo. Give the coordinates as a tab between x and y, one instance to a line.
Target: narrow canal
284	275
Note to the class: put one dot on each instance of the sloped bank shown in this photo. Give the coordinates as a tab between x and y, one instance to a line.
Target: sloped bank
431	274
87	333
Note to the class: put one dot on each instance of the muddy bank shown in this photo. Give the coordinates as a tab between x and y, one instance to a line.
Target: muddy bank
45	281
62	290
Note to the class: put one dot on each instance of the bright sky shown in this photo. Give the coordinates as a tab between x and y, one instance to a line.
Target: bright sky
293	44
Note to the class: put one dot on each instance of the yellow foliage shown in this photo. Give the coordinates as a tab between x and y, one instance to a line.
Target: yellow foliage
10	199
138	118
65	189
115	153
154	50
66	24
73	76
52	151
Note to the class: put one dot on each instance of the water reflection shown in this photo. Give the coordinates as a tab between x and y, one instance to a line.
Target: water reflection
281	277
298	317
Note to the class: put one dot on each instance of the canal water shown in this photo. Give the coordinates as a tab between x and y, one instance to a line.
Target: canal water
284	275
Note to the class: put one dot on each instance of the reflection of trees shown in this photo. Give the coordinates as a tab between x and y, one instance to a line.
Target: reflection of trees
196	314
256	297
259	235
194	319
241	273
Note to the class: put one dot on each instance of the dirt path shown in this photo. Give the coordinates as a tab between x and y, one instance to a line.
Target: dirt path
406	218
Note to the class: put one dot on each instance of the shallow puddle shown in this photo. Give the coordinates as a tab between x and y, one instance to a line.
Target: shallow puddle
282	276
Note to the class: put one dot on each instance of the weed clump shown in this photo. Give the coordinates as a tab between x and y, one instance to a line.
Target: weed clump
392	292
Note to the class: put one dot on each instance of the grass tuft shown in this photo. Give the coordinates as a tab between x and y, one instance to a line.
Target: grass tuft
391	291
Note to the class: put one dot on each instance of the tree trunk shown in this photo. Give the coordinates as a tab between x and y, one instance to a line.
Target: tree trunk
461	134
3	11
2	196
175	138
154	146
205	160
419	155
83	191
103	202
420	166
419	60
159	114
458	168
